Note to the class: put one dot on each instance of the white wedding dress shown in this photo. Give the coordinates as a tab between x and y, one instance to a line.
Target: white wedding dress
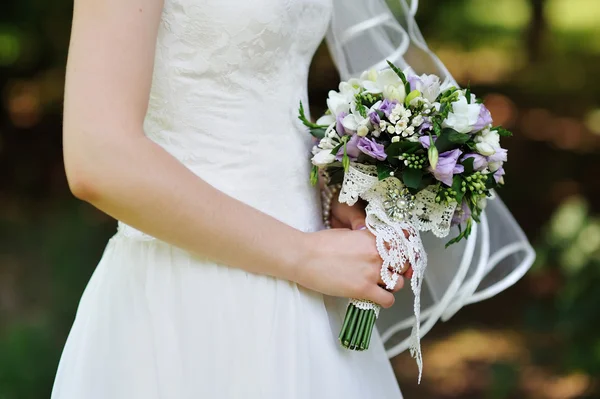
156	322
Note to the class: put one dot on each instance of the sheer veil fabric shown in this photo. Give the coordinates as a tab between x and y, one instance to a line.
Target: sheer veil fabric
363	36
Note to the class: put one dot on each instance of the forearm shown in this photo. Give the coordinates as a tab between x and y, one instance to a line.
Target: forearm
142	185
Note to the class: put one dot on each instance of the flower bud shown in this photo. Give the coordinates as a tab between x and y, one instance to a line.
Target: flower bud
411	96
433	156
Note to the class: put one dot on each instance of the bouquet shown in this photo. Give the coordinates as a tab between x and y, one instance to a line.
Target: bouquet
423	154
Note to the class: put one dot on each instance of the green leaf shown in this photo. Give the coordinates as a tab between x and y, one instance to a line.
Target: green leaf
502	131
336	149
468	164
314	175
398	72
490	182
318	132
468	93
363	110
345	159
305	121
457	187
457	138
412	177
401	147
383	171
445	141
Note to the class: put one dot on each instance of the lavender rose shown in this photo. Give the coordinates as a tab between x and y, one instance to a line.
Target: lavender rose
484	120
371	148
447	166
479	161
351	149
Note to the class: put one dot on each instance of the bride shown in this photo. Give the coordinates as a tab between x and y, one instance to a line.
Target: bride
180	122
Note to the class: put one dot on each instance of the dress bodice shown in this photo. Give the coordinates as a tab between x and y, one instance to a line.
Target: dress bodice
228	78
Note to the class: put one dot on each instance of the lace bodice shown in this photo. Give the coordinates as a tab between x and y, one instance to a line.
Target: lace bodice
228	77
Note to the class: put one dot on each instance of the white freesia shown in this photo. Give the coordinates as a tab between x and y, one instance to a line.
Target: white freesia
387	83
326	120
323	158
397	93
485	149
354	121
463	116
369	75
487	142
494	166
428	86
338	103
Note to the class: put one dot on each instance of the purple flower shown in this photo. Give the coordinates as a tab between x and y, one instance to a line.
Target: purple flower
424	140
484	120
338	123
387	106
499	175
351	149
501	155
374	118
425	126
371	148
461	214
447	167
428	85
413	80
479	161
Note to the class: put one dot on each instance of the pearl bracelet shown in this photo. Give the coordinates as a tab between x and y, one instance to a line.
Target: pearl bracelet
327	195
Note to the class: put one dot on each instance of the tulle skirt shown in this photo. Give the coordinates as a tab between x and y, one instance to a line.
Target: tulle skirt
157	322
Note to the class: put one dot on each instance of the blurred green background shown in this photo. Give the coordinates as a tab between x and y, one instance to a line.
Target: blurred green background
537	64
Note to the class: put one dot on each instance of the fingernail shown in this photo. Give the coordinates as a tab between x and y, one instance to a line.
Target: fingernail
361	227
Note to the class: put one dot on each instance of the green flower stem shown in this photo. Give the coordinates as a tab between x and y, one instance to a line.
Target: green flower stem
348	334
370	327
357	330
349	312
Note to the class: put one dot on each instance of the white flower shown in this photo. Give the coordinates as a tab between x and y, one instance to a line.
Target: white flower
397	93
323	158
362	130
417	120
490	137
354	121
494	166
487	142
428	86
326	120
388	84
395	139
463	115
338	102
485	149
326	143
370	75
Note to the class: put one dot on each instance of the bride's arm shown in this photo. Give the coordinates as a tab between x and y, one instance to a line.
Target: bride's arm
111	164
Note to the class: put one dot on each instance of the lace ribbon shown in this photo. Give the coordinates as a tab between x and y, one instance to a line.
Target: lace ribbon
398	239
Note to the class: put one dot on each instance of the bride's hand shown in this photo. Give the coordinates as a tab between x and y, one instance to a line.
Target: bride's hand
345	263
344	216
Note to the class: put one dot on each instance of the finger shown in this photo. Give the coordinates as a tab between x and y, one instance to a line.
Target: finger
409	273
381	296
352	216
356	218
397	287
336	224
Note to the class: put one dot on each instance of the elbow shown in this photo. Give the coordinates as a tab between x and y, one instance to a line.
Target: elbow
82	185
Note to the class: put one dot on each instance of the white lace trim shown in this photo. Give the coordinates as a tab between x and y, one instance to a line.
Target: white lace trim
398	241
366	305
